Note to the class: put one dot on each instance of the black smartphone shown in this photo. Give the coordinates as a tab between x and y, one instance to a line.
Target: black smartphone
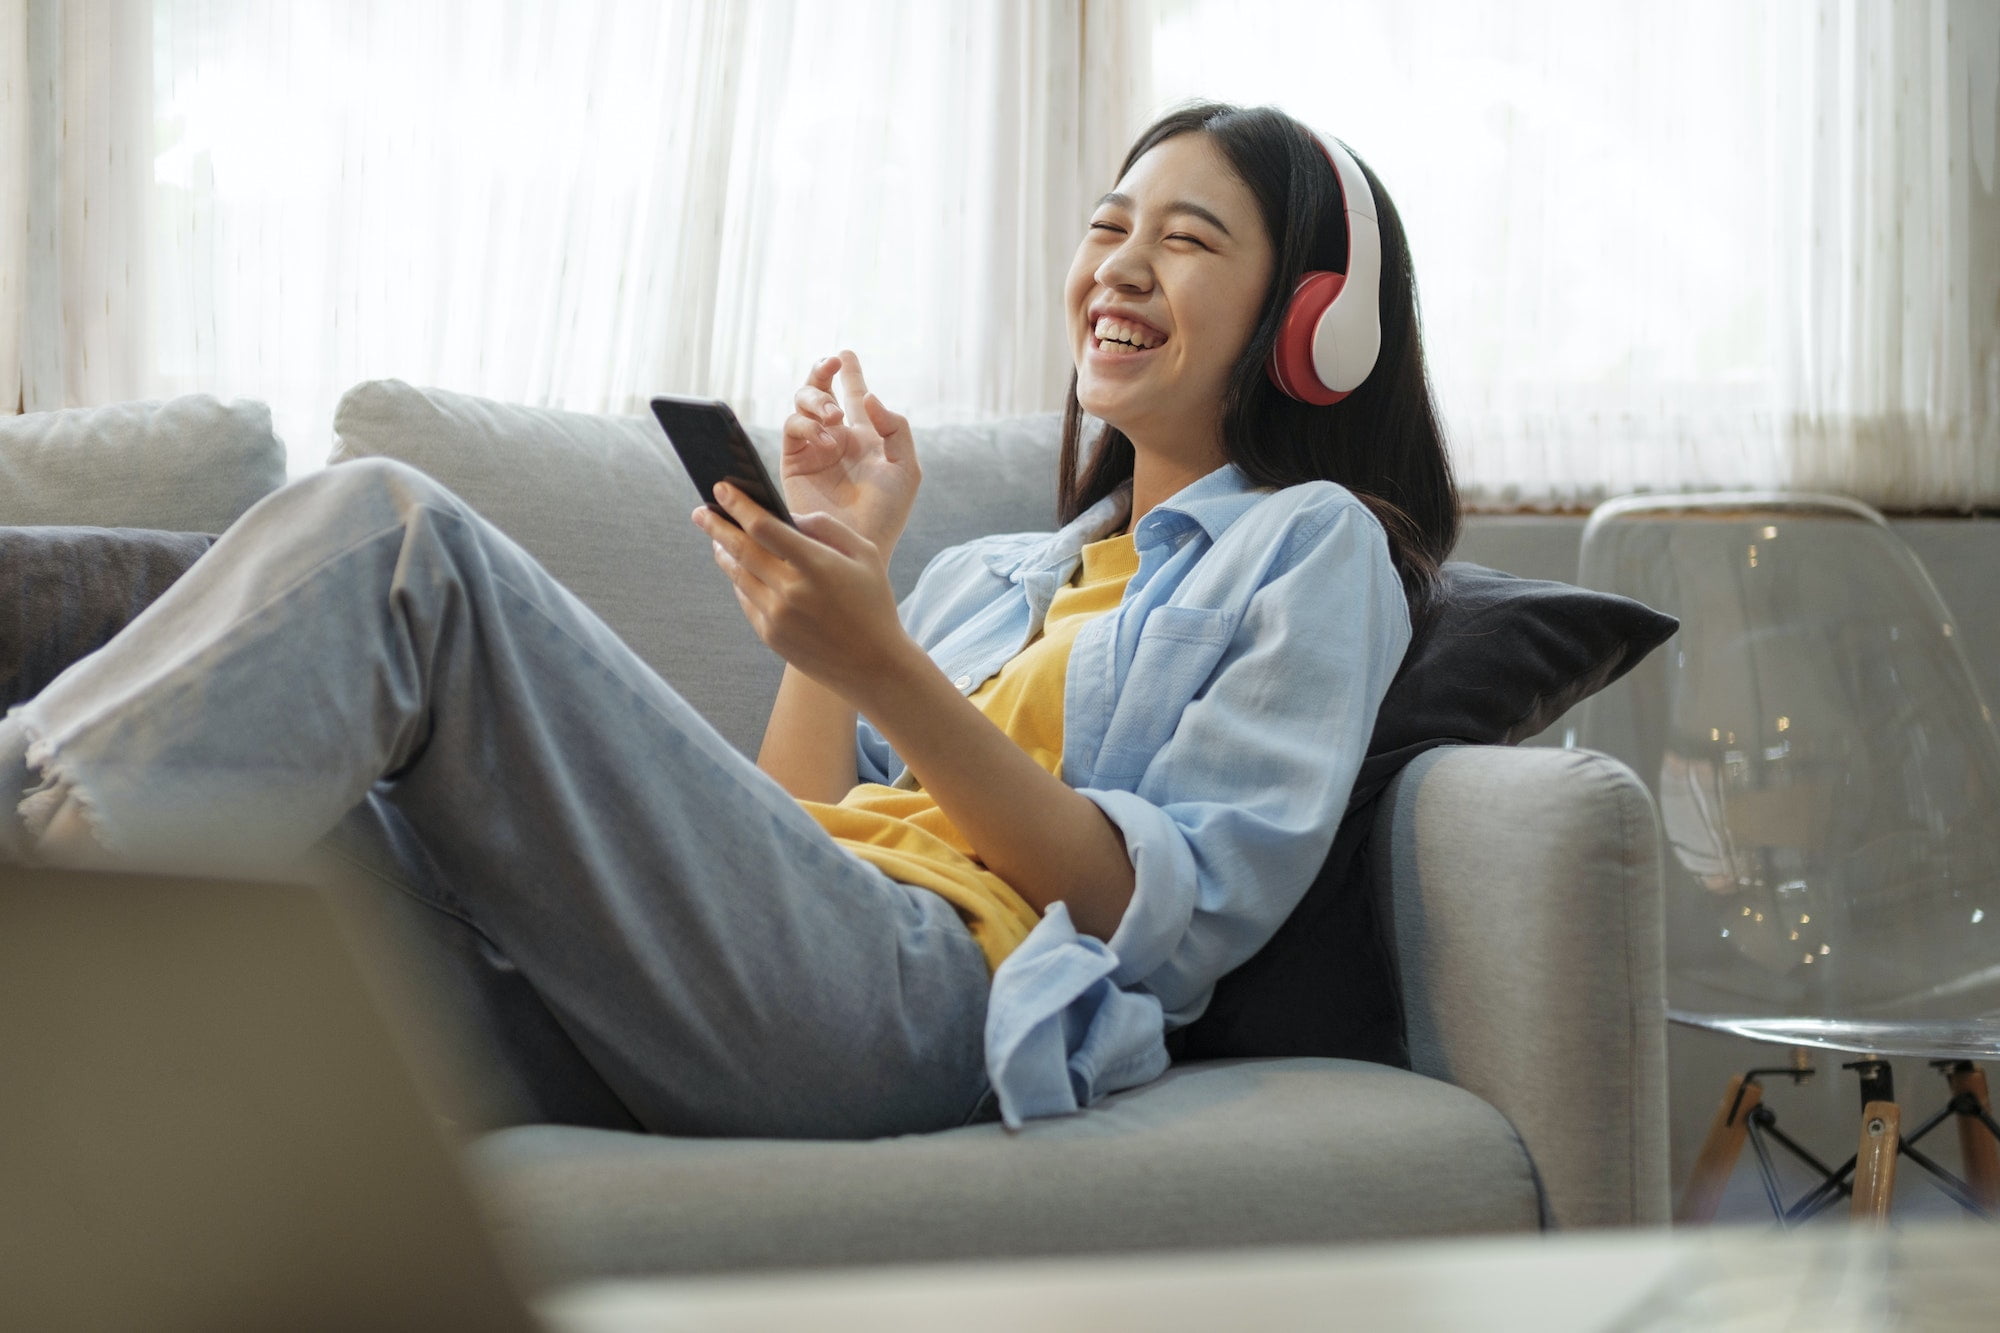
713	447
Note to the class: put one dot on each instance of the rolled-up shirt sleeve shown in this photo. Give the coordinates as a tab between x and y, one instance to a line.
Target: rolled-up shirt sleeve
1234	815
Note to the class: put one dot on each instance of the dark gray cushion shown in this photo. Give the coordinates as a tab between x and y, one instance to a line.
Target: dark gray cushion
1503	657
1222	1154
1497	660
65	591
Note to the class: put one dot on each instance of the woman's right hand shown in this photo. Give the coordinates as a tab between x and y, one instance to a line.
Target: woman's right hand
858	463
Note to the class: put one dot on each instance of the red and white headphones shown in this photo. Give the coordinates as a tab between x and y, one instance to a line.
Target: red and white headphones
1332	327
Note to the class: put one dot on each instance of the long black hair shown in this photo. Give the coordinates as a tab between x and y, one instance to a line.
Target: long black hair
1384	441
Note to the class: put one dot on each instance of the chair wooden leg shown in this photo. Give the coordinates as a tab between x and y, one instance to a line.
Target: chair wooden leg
1976	1147
1717	1160
1875	1161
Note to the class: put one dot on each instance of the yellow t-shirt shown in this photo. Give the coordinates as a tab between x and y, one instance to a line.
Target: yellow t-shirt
904	833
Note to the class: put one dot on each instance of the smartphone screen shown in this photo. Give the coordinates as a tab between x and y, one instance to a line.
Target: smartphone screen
713	447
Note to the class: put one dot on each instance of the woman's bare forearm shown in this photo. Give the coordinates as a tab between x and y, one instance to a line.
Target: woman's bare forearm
809	741
819	597
1028	827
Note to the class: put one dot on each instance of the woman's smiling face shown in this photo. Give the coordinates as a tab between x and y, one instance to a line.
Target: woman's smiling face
1179	250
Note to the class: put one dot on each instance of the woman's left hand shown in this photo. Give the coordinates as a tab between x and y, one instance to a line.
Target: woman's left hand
818	596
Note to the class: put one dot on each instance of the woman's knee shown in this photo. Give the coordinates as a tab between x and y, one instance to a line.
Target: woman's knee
368	497
380	483
369	508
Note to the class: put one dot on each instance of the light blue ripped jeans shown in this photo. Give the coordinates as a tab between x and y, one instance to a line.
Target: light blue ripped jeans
641	926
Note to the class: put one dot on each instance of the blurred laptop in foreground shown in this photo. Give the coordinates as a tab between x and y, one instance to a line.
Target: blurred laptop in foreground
206	1122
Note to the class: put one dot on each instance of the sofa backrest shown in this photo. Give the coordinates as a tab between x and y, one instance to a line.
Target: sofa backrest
190	464
600	501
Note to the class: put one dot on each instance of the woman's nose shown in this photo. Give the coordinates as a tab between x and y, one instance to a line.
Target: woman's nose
1123	268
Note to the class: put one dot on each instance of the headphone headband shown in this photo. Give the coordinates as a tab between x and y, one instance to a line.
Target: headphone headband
1332	329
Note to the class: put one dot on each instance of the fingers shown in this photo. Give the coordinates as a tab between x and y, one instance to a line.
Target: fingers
752	593
767	562
821	375
816	400
800	427
855	387
816	404
898	445
770	549
830	531
749	565
819	407
779	541
818	411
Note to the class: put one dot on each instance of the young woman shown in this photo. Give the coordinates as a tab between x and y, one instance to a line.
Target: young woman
1097	767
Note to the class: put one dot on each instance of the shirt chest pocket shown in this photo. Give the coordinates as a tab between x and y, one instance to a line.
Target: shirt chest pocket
1178	649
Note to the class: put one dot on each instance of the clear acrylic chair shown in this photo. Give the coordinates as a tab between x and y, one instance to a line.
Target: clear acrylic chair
1828	780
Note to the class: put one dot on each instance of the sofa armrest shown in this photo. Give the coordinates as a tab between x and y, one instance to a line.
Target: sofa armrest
1524	891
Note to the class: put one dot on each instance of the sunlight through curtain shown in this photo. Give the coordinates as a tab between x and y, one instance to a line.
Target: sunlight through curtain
1669	247
549	201
1659	247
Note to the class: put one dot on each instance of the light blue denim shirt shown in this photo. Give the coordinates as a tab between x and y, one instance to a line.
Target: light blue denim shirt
1218	716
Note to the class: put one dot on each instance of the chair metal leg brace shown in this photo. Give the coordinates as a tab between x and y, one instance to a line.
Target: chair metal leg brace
1744	1116
1765	1172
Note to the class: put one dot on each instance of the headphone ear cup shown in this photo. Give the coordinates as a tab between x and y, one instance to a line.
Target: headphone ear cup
1291	364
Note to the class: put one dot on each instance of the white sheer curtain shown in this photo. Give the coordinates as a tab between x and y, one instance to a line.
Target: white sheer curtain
1669	246
1717	243
75	125
1882	160
13	195
554	201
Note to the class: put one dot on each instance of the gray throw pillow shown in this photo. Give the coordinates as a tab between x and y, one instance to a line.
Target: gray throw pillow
190	464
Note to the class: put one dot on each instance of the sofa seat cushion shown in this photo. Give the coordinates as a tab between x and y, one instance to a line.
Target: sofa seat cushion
1223	1153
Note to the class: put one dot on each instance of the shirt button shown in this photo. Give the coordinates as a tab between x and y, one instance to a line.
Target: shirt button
963	682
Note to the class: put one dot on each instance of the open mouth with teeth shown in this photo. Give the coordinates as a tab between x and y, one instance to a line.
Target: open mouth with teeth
1116	337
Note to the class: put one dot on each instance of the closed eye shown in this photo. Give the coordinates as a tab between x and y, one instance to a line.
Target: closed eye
1177	236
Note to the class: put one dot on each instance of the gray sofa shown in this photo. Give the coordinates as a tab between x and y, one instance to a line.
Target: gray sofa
1523	885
